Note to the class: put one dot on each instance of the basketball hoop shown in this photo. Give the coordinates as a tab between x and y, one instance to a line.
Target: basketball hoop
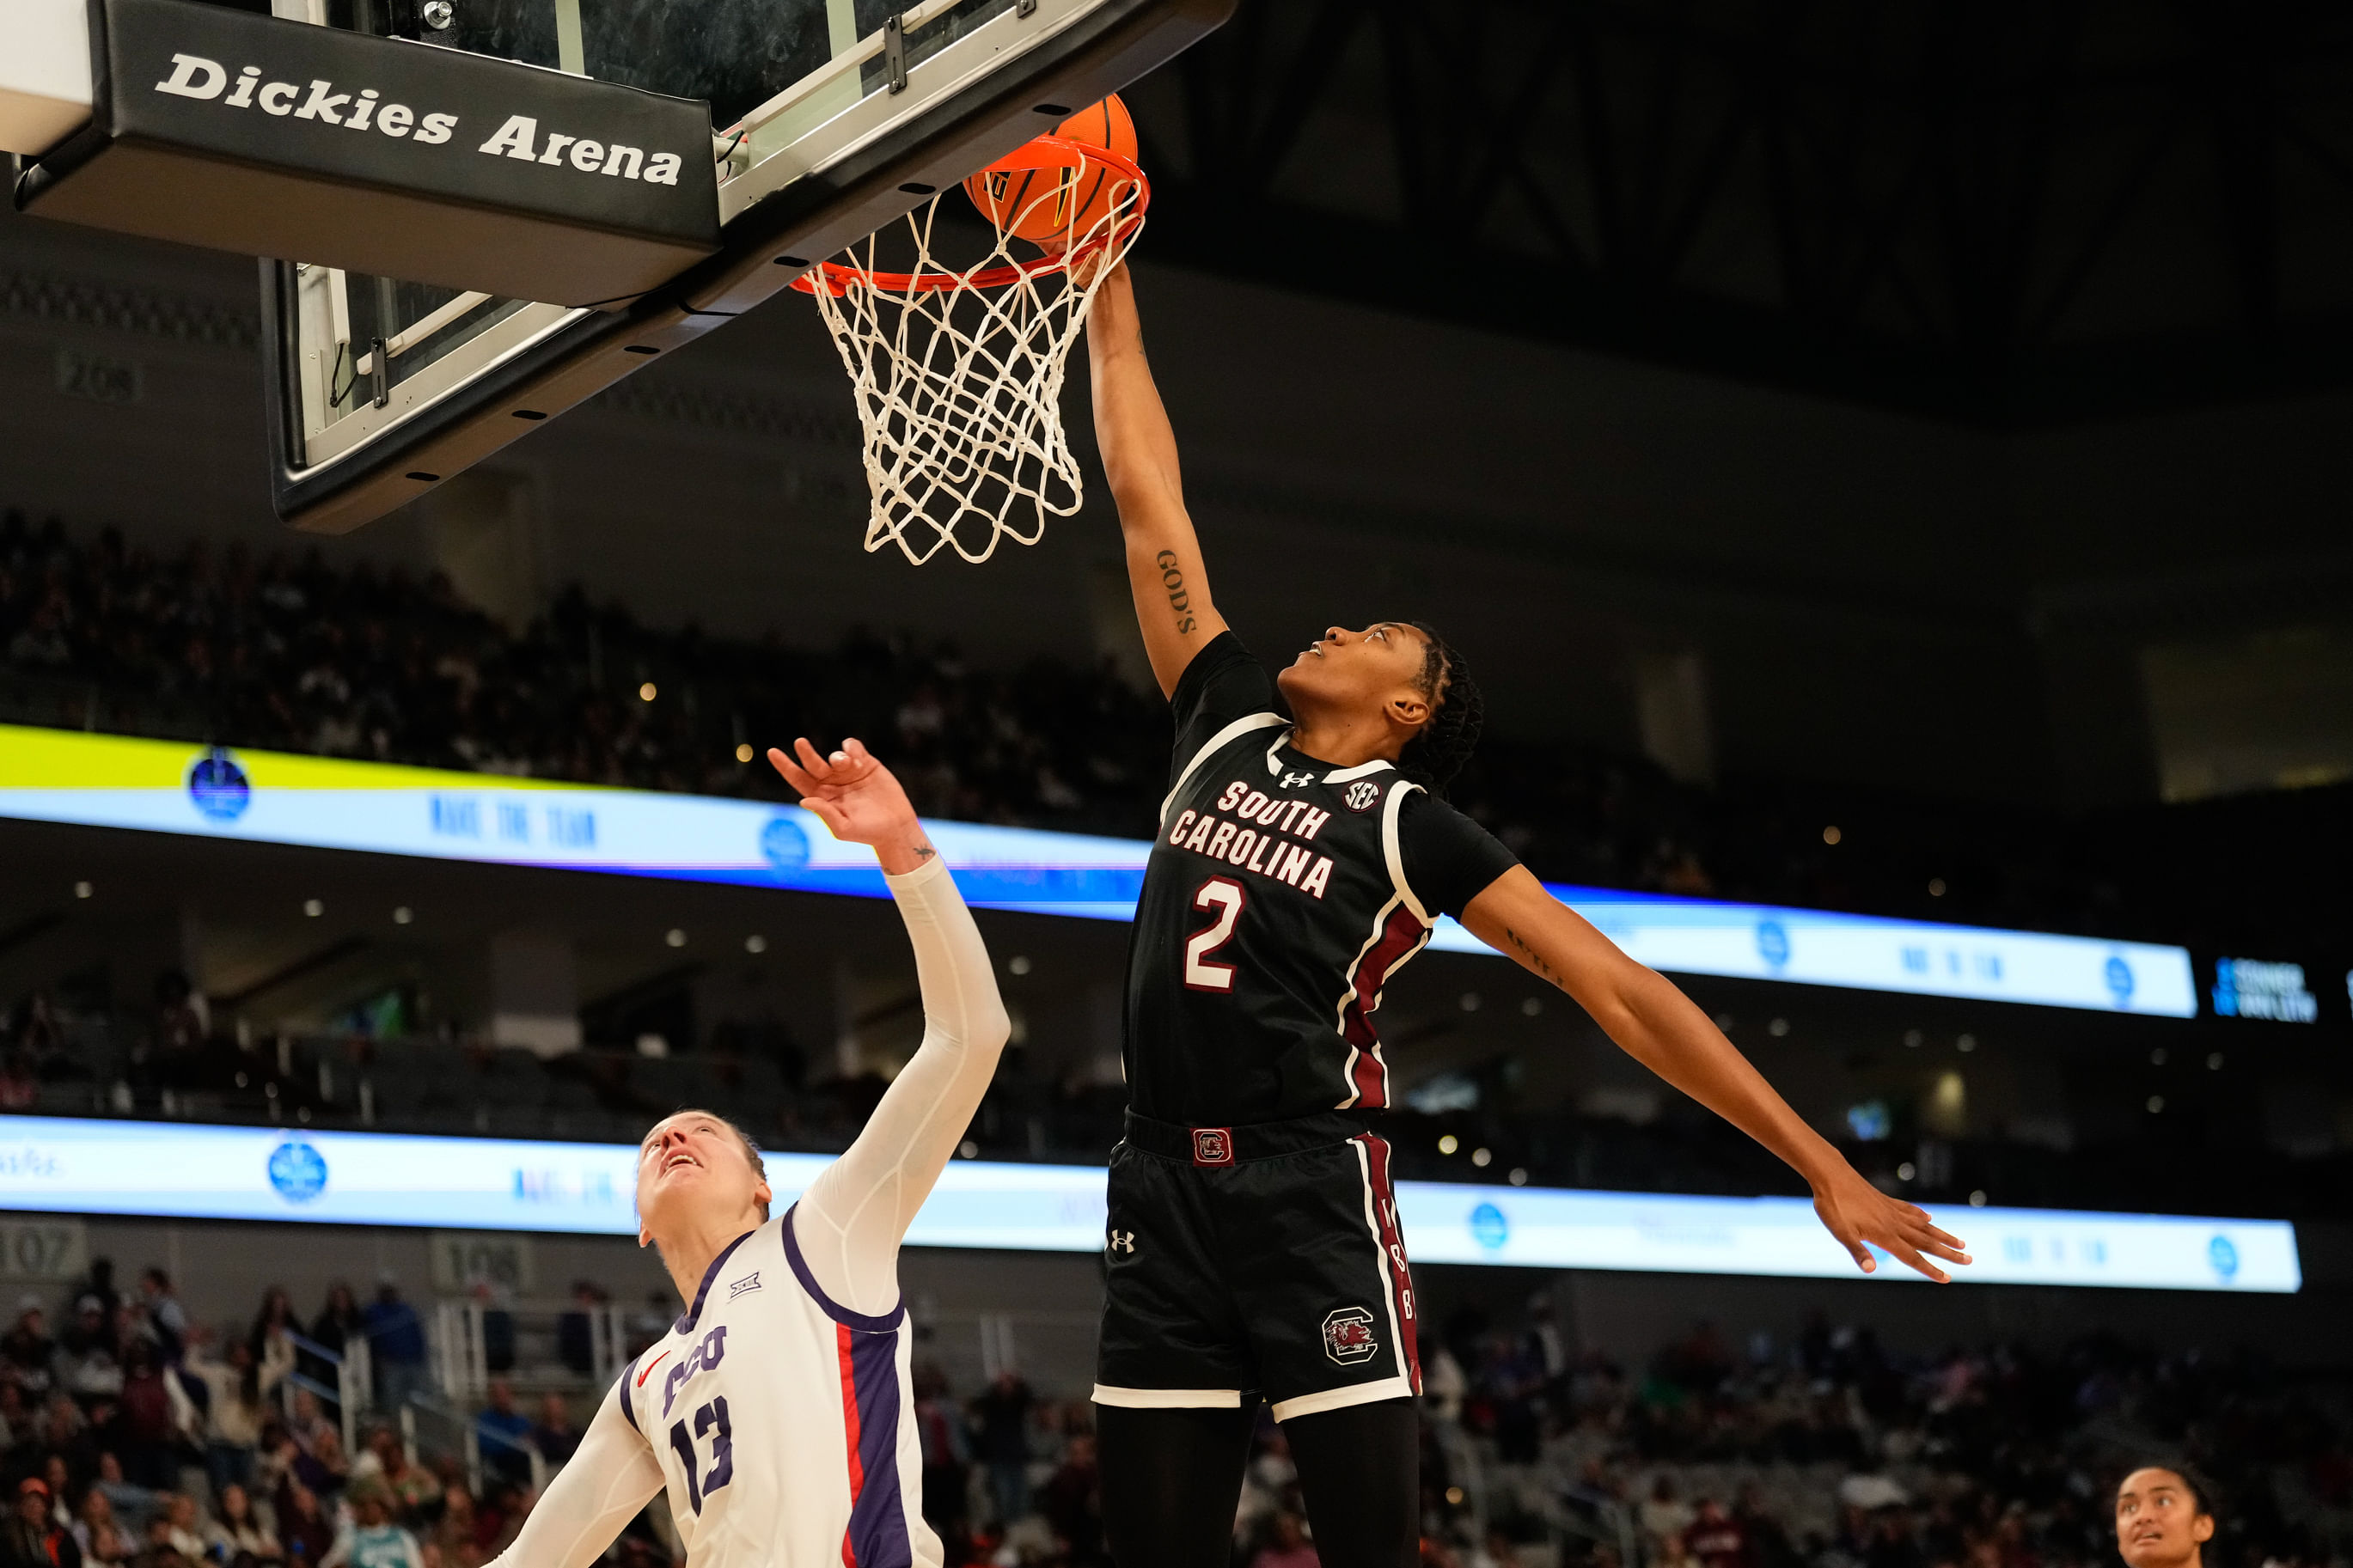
958	374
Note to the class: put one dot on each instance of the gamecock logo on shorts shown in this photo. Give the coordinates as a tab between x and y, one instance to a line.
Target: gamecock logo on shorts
1348	1336
1213	1145
1362	794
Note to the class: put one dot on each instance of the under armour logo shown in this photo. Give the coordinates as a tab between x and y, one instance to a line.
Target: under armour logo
1122	1241
740	1286
1297	780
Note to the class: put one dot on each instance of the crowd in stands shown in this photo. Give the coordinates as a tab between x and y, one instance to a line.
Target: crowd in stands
132	1436
287	653
1836	1452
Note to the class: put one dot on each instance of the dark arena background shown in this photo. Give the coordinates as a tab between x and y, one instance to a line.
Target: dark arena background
1890	466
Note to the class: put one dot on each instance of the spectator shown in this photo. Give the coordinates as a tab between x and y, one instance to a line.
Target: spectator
19	1089
454	1532
575	1330
1664	1516
504	1433
1003	1413
144	1428
236	1404
184	1526
948	1459
238	1530
86	1365
413	1488
1071	1501
27	1351
1716	1538
273	1321
396	1344
303	1527
1287	1546
168	1320
338	1325
373	1540
132	1503
553	1434
103	1542
30	1539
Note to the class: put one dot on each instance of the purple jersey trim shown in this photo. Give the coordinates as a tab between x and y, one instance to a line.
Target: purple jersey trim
877	1536
834	1309
623	1388
686	1325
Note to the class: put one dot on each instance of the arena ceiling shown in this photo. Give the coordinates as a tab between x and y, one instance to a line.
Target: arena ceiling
2012	213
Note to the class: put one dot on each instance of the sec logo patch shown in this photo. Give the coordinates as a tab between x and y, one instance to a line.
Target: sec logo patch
1363	796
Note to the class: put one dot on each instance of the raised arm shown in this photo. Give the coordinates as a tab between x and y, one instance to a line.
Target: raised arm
592	1499
1139	457
851	1220
1658	1025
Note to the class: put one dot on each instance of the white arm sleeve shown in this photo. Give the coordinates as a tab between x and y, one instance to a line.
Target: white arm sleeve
592	1498
851	1220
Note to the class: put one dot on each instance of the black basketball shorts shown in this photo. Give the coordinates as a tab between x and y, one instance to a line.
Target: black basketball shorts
1255	1262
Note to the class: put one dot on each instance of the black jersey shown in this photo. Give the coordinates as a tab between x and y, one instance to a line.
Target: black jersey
1281	895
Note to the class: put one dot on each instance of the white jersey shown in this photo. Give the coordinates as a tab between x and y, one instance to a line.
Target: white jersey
778	1413
782	1420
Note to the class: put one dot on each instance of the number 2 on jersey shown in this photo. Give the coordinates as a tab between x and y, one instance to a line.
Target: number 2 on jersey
1224	895
722	1451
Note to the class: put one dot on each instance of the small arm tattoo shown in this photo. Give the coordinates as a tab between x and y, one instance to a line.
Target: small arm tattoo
1180	598
1536	959
924	850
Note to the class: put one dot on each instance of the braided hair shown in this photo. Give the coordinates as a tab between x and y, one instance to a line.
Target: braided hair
1458	712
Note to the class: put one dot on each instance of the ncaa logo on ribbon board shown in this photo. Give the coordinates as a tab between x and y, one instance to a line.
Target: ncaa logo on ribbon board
217	787
1772	943
298	1171
784	844
2223	1257
1490	1227
1348	1337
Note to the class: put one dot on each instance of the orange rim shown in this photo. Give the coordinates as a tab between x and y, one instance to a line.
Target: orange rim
1043	151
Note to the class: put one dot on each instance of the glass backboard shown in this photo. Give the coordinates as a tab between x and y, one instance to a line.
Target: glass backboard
831	117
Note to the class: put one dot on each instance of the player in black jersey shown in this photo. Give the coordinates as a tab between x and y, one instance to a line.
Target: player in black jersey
1303	857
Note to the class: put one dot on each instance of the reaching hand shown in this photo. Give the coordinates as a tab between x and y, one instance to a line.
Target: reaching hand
858	802
1856	1212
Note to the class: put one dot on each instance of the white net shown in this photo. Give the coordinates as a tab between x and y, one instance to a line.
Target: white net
958	372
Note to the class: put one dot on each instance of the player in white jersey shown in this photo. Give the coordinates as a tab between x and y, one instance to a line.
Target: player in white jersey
777	1413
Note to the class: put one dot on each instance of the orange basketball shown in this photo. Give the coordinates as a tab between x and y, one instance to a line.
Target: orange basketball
1047	205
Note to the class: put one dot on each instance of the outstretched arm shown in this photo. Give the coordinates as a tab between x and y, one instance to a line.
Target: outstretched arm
592	1499
1139	455
852	1218
1658	1025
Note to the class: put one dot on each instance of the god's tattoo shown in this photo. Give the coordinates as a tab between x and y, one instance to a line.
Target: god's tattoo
1180	600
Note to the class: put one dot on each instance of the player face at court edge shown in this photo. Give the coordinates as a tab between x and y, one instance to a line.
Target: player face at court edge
2161	1521
777	1415
1305	854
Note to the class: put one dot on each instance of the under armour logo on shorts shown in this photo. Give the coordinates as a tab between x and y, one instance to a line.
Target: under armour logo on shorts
1121	1241
1213	1145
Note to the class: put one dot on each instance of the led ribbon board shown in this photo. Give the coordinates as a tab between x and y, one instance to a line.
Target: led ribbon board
269	797
59	1165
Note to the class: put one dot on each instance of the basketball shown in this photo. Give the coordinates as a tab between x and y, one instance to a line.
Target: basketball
1026	202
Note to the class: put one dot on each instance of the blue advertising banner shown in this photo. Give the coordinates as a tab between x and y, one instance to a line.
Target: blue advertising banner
58	1166
162	786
